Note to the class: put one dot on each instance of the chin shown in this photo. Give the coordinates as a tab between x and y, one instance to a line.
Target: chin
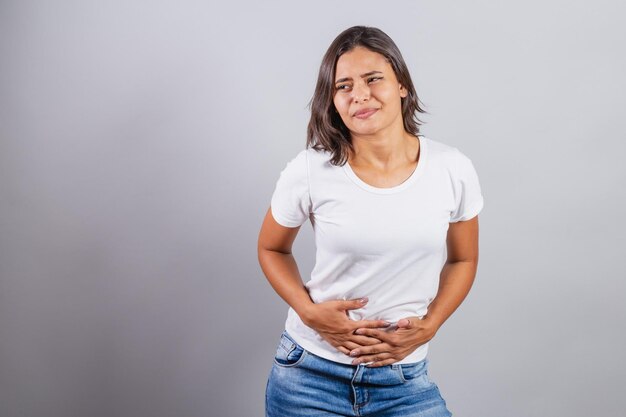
362	131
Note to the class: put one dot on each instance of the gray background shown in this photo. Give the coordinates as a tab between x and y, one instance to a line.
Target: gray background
139	146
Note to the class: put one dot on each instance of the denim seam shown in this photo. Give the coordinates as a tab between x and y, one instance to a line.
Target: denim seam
287	344
400	373
294	345
291	365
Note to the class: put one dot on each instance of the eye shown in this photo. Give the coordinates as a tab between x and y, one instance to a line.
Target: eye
343	87
374	78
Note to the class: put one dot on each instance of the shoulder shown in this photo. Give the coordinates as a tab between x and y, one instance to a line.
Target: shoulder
310	155
296	164
447	155
304	164
318	160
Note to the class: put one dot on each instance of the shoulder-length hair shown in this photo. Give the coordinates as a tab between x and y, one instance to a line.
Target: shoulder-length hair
326	131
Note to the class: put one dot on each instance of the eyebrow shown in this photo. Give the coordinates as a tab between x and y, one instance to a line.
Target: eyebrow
362	76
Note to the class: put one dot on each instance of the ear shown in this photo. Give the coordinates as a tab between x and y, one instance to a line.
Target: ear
403	91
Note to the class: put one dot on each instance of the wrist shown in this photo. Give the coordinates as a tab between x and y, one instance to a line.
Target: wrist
432	323
306	313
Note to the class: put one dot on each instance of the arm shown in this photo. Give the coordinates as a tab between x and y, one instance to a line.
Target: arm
456	279
457	275
279	265
329	318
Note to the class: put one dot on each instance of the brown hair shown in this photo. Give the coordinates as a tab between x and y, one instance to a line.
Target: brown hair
326	131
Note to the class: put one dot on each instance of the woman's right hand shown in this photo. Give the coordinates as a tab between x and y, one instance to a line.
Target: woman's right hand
330	319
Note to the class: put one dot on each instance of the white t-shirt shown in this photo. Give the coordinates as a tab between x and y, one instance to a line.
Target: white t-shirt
388	244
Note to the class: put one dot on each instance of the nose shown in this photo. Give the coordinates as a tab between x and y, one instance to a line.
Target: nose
360	92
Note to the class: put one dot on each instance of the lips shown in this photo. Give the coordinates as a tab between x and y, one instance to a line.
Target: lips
365	113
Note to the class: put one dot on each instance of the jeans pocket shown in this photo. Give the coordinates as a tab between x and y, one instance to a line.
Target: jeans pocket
417	374
288	352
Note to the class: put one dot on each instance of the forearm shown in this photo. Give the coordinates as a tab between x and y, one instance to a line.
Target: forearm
281	270
455	282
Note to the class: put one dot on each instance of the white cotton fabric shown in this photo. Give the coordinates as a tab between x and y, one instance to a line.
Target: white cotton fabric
388	244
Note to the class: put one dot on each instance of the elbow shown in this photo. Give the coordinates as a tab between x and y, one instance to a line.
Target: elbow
467	259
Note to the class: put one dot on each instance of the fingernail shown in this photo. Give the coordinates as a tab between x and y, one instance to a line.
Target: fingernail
354	353
363	300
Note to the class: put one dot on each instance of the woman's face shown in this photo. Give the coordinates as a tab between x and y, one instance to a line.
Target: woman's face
367	92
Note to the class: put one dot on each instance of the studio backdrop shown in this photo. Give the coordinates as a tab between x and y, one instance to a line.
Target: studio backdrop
140	142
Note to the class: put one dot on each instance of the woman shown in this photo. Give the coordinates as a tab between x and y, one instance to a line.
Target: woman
396	231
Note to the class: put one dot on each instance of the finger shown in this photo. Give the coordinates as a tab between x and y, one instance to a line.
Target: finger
378	334
405	323
381	363
365	340
372	358
351	346
409	322
354	343
344	350
354	304
366	351
371	324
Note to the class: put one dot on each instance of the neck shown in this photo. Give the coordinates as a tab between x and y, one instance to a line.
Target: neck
385	149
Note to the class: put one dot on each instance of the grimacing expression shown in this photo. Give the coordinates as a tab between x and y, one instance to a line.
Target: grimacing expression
368	96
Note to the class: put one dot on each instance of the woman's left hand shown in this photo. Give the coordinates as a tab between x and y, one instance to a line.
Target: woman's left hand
395	345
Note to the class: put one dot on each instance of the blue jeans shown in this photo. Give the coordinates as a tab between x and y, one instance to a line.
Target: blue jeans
303	384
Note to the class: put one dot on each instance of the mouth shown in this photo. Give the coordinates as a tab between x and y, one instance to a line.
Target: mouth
365	113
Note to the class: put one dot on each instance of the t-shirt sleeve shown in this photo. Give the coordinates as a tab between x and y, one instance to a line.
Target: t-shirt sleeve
291	201
467	193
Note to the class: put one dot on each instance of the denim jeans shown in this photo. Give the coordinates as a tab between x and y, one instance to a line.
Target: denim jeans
303	384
